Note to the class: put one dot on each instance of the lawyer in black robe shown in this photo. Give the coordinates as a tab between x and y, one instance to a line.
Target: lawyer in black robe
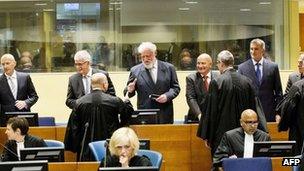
228	97
232	143
292	112
98	113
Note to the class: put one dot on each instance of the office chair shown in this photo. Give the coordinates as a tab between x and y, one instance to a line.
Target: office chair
155	157
54	143
248	164
98	149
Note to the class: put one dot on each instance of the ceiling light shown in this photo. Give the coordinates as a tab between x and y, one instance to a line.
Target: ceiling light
265	3
184	9
48	10
41	4
245	9
115	3
191	2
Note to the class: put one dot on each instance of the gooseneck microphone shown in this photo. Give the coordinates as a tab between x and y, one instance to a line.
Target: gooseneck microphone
83	140
13	153
106	144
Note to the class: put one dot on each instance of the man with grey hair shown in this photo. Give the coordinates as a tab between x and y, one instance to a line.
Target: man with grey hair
17	91
229	95
155	82
265	77
80	85
197	86
97	113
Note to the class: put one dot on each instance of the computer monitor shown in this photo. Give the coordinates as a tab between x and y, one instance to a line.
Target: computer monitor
145	116
146	168
273	148
52	154
39	165
31	117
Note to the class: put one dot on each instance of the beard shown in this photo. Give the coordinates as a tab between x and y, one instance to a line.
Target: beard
149	66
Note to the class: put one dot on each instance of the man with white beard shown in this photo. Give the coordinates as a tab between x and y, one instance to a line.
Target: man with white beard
155	82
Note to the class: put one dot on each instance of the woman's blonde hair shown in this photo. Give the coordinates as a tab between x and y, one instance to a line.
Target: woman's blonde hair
124	135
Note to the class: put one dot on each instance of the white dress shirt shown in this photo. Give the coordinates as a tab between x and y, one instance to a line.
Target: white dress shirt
248	145
12	82
88	77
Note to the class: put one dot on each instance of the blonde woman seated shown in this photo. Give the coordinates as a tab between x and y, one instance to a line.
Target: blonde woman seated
123	147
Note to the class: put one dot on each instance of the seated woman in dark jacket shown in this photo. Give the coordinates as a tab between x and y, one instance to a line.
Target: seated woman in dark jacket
123	147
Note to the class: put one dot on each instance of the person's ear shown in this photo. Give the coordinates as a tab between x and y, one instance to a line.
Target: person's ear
18	131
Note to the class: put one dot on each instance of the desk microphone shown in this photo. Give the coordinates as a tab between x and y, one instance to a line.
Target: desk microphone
106	145
2	156
83	139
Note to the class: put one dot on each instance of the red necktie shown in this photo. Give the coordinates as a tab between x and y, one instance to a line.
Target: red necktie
206	84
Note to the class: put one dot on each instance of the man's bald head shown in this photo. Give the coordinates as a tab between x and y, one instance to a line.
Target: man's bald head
203	63
99	81
249	121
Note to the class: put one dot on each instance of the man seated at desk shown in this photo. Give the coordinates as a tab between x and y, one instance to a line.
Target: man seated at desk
238	143
18	138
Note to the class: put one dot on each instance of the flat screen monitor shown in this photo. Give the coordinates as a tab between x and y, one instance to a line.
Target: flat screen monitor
273	148
145	116
31	117
147	168
51	154
39	165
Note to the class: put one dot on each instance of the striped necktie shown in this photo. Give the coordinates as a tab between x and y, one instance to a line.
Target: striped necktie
13	87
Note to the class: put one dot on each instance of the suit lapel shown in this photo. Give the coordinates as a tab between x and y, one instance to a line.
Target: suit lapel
145	75
20	81
199	83
7	87
265	70
80	83
252	72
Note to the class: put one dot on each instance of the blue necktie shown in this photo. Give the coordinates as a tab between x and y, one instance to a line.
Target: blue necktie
258	72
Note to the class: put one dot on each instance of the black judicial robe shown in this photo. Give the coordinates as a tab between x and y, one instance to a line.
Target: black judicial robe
99	111
292	112
228	97
232	143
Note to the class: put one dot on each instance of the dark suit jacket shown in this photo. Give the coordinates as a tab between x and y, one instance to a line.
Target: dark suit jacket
166	83
293	77
270	90
29	141
26	91
196	94
76	88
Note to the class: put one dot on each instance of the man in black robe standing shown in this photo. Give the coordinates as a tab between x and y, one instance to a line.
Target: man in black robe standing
96	117
229	95
292	112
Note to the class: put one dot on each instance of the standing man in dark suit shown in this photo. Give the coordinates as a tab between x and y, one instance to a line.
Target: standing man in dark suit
296	76
80	85
155	82
266	79
230	94
197	85
17	92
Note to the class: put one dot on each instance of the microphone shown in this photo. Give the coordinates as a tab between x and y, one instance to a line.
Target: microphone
14	154
83	139
106	144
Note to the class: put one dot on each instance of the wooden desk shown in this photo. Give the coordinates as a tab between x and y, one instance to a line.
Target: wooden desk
277	165
180	147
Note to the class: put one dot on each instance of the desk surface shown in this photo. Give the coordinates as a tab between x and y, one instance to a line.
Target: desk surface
180	147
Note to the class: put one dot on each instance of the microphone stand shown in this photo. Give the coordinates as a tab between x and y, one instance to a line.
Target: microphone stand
83	139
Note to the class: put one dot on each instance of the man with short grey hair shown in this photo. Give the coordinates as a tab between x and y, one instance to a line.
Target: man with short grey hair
80	85
17	91
230	94
297	75
265	77
155	82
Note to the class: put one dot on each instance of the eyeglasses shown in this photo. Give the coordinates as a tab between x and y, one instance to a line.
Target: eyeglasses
251	122
79	63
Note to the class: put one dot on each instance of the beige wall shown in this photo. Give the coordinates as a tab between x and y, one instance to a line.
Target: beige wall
52	90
